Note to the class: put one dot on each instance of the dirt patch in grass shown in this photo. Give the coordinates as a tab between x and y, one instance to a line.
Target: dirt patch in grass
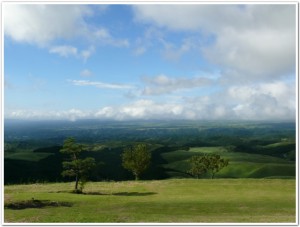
34	203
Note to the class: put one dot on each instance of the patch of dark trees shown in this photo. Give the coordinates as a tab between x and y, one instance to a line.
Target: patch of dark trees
236	139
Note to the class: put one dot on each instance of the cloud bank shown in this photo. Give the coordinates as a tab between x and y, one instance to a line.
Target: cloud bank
265	101
255	41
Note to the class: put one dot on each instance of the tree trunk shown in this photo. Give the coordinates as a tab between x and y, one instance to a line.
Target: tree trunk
136	177
212	175
76	183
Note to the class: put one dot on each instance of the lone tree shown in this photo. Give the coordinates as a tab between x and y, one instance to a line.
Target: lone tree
136	159
216	163
76	167
201	164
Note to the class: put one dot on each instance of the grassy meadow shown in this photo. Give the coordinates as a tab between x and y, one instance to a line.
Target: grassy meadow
163	201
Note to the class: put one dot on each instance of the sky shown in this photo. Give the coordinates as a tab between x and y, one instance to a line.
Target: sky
150	61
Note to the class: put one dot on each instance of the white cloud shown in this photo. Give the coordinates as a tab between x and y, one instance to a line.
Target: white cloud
260	102
71	114
100	84
163	84
190	17
148	40
67	51
102	33
41	24
172	52
170	16
215	17
64	51
253	41
141	109
266	101
278	96
103	36
44	24
256	54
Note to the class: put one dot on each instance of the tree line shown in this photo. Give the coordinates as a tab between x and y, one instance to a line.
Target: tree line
136	159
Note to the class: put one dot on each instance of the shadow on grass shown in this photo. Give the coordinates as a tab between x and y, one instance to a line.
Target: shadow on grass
94	193
117	193
34	203
134	193
121	193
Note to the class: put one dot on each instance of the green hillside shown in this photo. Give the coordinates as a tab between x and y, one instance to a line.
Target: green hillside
241	165
254	149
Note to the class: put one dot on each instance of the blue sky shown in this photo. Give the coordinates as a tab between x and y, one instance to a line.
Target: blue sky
149	61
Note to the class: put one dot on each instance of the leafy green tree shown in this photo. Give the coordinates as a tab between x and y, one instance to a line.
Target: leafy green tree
216	163
76	167
199	165
136	159
211	163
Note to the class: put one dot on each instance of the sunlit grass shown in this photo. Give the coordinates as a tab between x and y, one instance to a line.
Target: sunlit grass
165	201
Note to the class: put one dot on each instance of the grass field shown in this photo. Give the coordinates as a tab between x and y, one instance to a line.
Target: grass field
164	201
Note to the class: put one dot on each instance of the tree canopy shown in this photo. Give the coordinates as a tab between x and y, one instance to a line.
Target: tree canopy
136	159
208	163
76	167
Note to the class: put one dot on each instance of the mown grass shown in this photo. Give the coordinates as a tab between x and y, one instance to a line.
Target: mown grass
164	201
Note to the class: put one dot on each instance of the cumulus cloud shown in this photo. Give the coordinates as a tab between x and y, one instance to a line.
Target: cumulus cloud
255	55
99	84
175	17
41	24
254	41
163	84
44	24
277	98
